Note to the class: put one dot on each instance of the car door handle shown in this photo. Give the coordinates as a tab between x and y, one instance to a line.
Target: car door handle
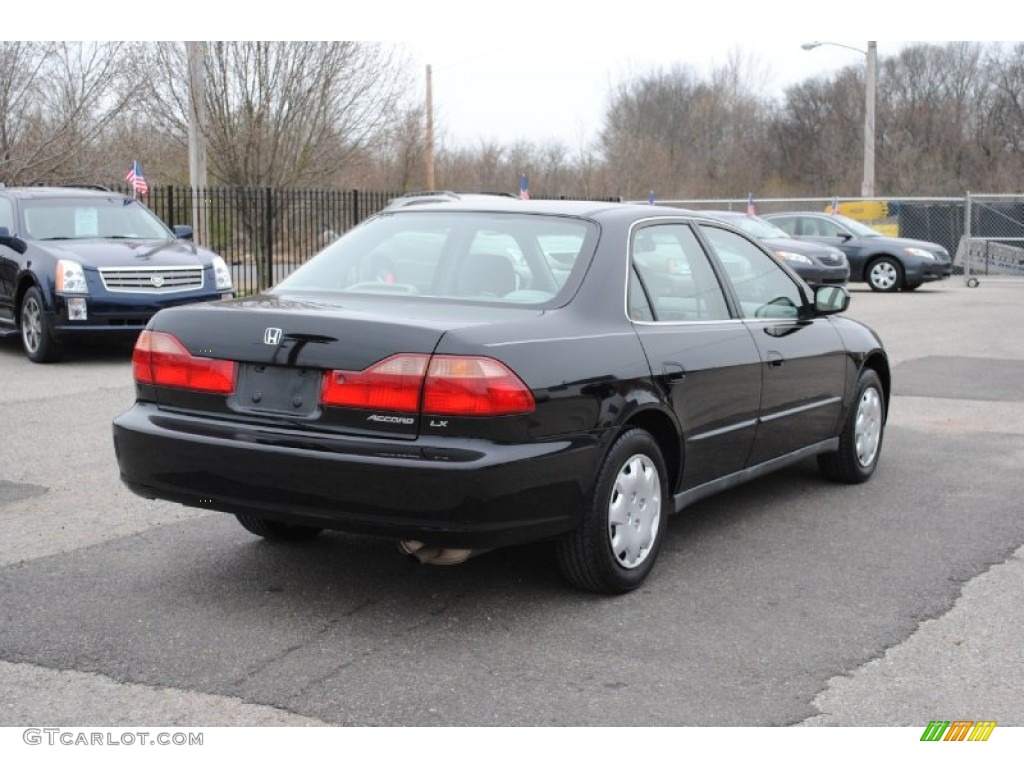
775	359
673	371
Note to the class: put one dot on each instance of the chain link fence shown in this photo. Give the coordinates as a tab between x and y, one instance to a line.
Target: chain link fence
984	233
993	243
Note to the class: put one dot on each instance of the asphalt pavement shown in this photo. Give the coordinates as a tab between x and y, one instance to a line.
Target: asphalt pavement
789	601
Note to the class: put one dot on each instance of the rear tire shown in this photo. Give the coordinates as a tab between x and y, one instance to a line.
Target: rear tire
618	539
37	337
885	274
860	442
273	530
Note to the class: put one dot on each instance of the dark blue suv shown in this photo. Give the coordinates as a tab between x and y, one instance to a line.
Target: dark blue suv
79	261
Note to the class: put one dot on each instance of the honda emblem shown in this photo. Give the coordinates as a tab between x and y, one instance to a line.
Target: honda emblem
272	336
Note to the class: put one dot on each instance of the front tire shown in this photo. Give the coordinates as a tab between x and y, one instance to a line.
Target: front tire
37	337
860	442
885	274
273	530
617	542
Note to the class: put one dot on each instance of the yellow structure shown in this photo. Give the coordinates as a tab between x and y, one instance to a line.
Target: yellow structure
874	213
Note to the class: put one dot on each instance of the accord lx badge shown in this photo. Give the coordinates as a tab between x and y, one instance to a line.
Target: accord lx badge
272	336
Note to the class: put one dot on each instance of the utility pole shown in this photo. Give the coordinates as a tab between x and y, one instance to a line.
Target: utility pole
196	50
870	87
430	133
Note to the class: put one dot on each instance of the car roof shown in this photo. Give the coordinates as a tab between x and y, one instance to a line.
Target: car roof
504	204
56	192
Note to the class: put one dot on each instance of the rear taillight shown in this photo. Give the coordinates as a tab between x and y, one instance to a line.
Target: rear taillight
393	384
473	386
442	385
161	359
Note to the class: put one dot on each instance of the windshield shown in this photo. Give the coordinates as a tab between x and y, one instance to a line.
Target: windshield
80	218
461	255
759	228
861	230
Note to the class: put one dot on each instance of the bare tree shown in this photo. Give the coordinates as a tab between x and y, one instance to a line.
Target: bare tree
284	113
56	101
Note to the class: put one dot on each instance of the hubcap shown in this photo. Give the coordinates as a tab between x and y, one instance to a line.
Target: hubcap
868	428
634	511
884	275
31	325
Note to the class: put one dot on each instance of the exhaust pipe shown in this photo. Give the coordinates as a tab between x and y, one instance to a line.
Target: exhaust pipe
431	554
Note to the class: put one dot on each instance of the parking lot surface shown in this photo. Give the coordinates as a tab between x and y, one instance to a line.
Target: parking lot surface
791	600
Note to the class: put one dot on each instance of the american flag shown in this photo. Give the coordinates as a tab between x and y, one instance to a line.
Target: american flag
835	204
524	188
136	179
751	208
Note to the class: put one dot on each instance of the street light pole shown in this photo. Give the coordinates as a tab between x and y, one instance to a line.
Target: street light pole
867	187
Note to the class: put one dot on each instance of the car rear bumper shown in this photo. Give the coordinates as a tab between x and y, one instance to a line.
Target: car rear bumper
458	493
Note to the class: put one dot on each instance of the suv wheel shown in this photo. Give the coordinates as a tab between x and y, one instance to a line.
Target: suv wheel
36	334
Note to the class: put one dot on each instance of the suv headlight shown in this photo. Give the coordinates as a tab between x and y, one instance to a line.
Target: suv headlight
920	253
70	277
799	258
221	274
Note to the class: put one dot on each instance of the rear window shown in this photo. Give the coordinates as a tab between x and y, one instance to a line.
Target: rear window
509	258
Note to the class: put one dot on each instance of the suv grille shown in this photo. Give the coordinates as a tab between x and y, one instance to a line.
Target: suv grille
151	279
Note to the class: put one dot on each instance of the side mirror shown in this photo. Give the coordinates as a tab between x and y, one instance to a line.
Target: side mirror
12	242
831	299
182	231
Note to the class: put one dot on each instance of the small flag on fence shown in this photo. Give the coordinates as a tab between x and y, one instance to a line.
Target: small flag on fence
650	197
524	188
751	208
135	178
835	204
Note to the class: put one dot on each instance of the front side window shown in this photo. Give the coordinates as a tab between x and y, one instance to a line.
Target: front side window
762	287
676	276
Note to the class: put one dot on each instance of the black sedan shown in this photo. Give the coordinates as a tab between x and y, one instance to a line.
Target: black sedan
885	263
85	262
816	263
413	381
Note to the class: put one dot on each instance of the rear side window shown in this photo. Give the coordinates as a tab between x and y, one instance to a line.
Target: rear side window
676	276
459	255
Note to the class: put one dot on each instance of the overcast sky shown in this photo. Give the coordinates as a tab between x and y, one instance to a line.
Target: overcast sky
539	70
537	93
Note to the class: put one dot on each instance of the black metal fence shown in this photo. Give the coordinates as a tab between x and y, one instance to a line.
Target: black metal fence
264	233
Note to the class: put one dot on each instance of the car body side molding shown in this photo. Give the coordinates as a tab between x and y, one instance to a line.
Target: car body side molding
693	495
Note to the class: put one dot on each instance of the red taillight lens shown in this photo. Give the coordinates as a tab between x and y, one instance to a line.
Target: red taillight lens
442	385
161	359
473	386
393	384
